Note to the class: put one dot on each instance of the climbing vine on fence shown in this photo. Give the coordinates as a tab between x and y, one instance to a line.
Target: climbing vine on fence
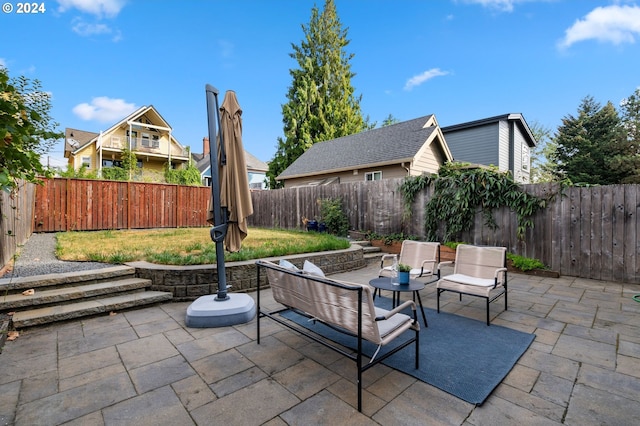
460	191
409	188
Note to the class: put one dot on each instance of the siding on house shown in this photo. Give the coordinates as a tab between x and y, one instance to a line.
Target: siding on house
500	141
349	176
474	145
504	147
521	160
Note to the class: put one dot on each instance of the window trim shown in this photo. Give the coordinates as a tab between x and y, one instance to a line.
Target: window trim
373	176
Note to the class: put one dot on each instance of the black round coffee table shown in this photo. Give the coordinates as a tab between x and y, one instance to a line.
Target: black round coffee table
414	286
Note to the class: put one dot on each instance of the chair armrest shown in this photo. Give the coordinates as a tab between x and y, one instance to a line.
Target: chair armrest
500	271
432	264
446	262
386	257
397	309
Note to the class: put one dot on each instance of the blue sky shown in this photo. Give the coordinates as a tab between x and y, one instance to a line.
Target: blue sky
461	60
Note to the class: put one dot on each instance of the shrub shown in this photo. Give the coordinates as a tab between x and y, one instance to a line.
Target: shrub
334	216
525	263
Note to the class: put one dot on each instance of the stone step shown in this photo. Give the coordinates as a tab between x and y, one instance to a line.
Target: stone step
78	309
371	249
18	285
65	295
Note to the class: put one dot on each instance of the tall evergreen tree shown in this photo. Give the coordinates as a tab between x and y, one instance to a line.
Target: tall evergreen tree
628	163
321	101
587	143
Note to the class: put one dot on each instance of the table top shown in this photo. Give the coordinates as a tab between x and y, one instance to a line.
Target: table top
384	283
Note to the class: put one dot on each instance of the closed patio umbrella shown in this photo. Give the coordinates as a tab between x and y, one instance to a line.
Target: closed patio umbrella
234	179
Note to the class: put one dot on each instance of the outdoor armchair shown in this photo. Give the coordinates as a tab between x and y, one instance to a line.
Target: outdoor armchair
423	257
478	271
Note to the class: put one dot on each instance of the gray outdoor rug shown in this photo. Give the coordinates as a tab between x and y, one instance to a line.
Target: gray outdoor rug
461	356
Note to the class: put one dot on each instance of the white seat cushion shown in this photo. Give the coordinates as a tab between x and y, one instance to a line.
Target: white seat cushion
468	280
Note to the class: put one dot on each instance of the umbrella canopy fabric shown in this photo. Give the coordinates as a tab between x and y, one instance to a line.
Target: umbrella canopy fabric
235	195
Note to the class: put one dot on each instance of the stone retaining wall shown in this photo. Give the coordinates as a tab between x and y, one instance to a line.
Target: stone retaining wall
190	282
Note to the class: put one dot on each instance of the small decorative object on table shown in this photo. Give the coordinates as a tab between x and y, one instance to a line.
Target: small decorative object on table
403	273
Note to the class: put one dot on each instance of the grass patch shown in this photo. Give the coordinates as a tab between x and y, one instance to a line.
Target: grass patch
186	246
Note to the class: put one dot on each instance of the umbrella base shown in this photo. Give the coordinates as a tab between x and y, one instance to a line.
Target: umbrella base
206	312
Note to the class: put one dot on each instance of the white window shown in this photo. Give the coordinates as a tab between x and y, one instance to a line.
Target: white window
145	140
86	162
373	175
156	141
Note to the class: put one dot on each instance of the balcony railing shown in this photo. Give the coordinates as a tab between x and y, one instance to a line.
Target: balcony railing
141	145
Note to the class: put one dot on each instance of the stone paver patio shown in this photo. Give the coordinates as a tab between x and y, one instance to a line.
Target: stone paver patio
144	367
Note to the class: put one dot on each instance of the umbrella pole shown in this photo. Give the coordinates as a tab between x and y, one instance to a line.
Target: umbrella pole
219	229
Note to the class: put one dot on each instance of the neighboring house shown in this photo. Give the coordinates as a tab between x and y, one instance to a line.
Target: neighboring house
256	168
504	141
144	132
409	148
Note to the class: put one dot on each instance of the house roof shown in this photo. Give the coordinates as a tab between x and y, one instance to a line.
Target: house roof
75	138
516	117
385	145
253	163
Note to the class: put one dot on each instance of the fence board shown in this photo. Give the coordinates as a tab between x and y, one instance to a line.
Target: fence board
585	232
618	233
630	232
595	214
606	248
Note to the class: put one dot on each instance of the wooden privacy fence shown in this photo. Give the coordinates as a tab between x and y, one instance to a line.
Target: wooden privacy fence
584	232
90	205
16	218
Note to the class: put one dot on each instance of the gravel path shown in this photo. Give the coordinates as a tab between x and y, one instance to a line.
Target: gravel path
38	257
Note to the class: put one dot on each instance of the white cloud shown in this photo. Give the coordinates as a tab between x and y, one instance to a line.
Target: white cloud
99	8
3	63
104	109
501	5
417	80
614	24
86	29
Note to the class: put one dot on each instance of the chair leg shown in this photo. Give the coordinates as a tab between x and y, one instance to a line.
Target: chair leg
488	311
438	300
505	297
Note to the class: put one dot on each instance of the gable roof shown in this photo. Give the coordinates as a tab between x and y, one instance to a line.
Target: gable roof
74	139
372	148
515	117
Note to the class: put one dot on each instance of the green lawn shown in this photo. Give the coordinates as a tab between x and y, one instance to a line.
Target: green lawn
186	246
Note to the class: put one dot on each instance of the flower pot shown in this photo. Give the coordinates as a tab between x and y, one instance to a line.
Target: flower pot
403	277
392	248
447	254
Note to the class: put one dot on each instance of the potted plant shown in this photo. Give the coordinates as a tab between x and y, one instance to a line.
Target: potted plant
403	273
